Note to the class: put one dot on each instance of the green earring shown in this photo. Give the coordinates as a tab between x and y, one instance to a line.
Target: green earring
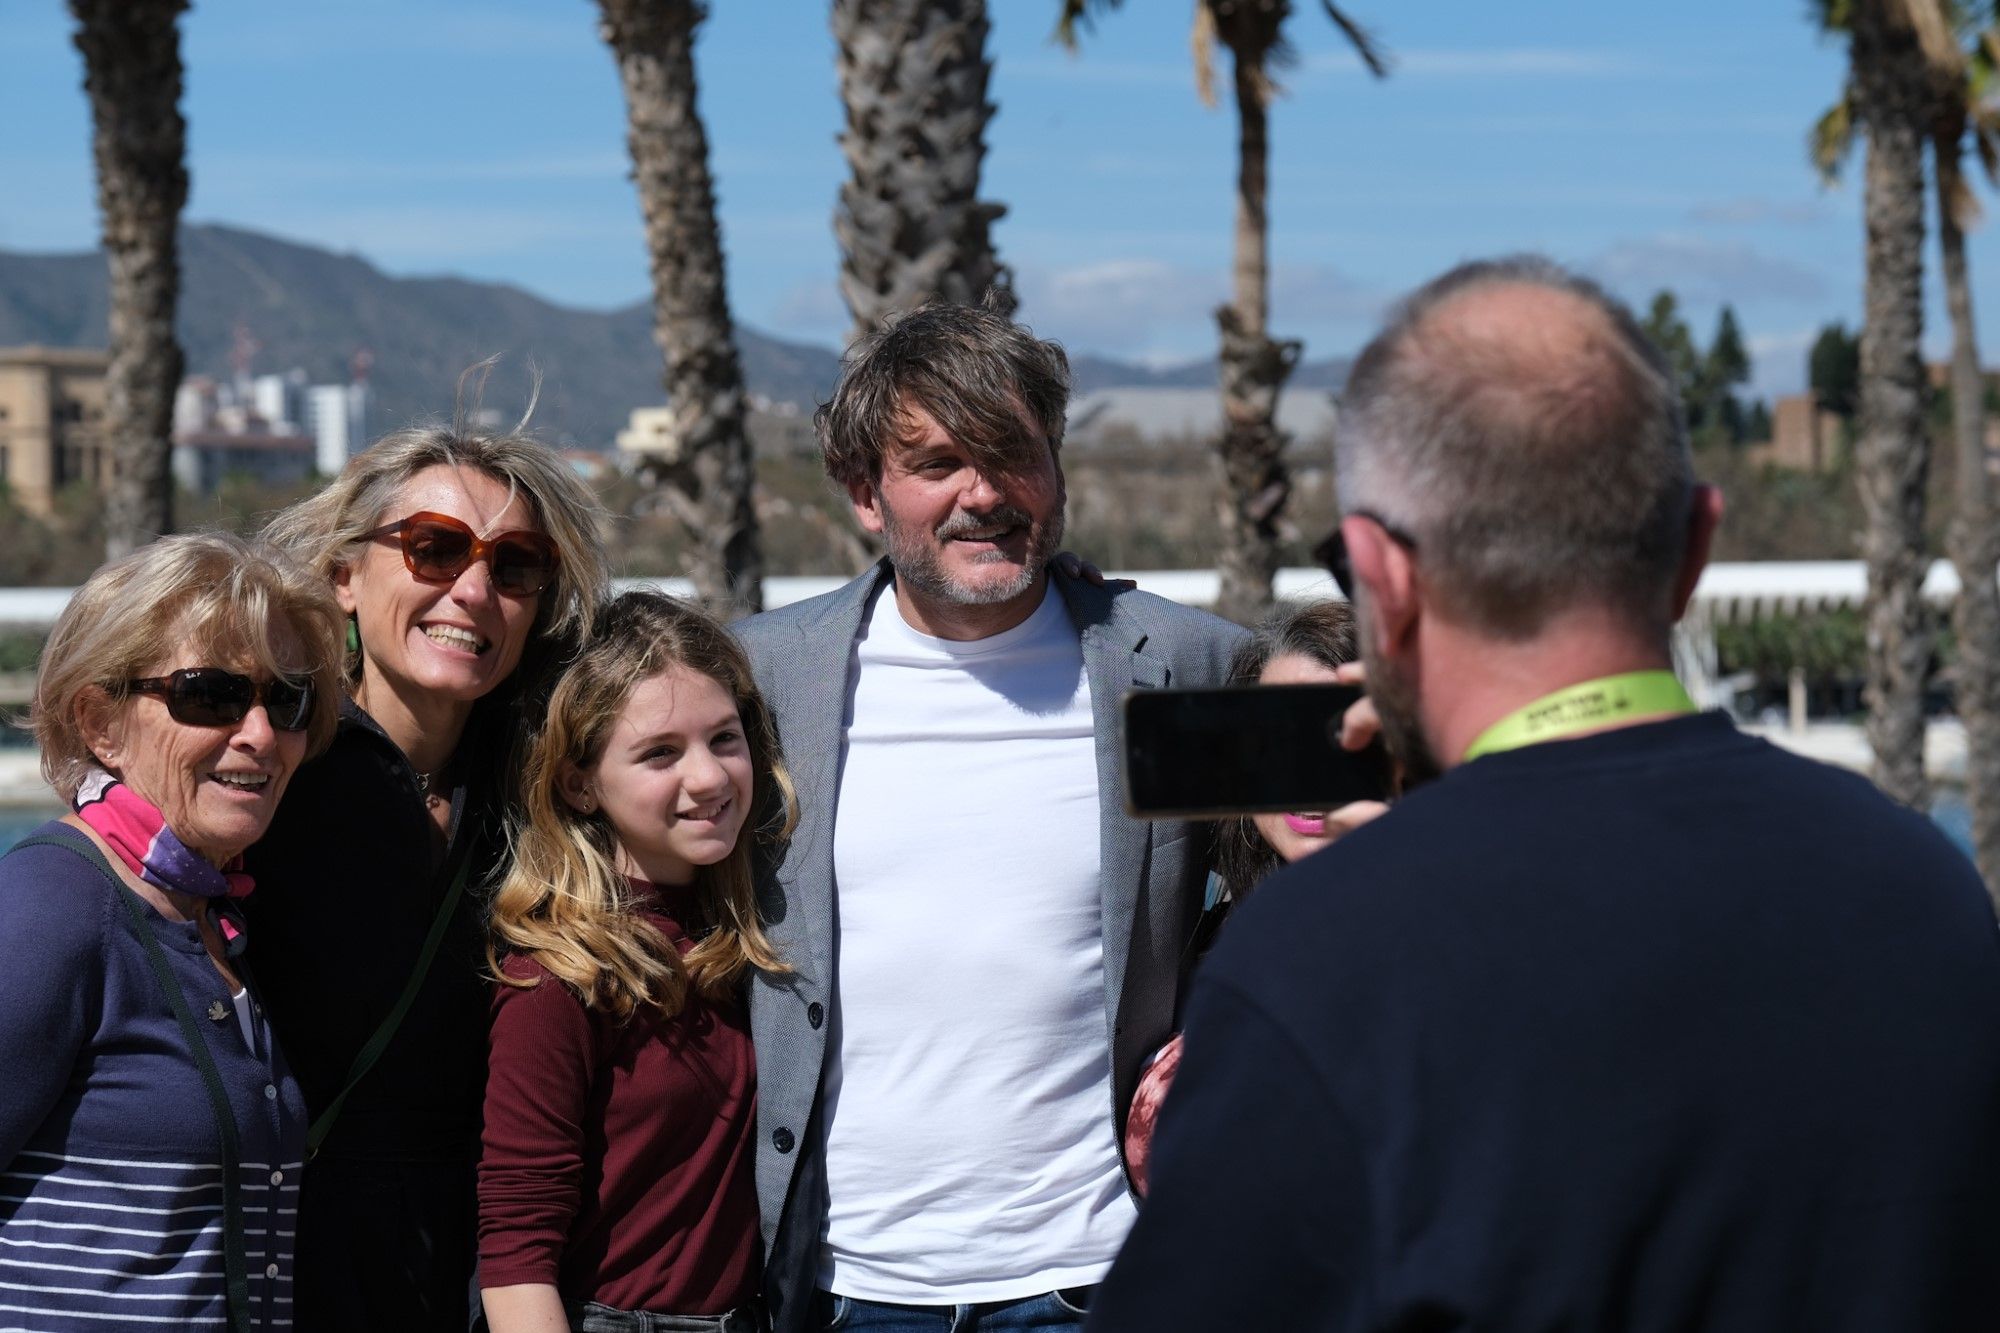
353	635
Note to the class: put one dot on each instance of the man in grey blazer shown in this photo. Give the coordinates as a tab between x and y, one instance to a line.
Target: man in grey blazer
984	947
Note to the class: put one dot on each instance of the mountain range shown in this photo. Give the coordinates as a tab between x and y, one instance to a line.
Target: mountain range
305	307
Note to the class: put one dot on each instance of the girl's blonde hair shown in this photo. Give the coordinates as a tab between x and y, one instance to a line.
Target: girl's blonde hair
562	900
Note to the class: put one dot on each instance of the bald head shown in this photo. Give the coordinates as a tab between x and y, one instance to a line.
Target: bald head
1516	422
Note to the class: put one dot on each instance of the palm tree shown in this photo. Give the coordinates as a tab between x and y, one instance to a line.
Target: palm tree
910	222
1892	45
711	475
1252	365
132	74
1964	106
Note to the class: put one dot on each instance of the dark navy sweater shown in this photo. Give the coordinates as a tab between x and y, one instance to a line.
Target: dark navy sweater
1656	1029
111	1193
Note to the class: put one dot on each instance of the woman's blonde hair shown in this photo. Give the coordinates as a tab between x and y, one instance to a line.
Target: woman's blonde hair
325	530
562	900
221	598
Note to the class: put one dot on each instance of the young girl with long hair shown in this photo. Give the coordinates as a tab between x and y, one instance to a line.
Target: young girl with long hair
616	1176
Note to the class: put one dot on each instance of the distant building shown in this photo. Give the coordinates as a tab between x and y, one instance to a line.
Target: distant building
196	402
586	463
1148	417
280	400
336	416
1804	436
650	437
781	431
203	458
51	422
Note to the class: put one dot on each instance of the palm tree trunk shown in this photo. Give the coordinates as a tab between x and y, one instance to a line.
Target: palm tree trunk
1253	368
910	223
1974	538
132	74
1893	451
711	481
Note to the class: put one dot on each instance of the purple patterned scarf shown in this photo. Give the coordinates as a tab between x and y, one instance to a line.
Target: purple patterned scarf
138	832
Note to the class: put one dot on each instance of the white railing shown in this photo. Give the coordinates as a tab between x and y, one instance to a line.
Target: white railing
1727	592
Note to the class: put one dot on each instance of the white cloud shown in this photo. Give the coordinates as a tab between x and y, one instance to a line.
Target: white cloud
1699	270
1505	63
1121	306
437	240
265	34
294	170
812	312
1085	69
1153	308
1420	62
1750	210
1778	361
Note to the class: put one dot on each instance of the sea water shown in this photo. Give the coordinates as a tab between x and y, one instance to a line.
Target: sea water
16	824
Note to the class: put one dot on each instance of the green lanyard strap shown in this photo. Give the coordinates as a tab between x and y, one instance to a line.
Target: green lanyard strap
1586	706
378	1041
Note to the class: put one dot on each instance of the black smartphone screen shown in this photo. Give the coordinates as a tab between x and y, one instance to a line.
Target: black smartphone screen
1207	754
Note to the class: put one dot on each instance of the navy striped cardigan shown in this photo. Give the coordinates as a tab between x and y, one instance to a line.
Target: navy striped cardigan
111	1198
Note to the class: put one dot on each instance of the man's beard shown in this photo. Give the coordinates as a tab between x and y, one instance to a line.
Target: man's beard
1396	702
919	565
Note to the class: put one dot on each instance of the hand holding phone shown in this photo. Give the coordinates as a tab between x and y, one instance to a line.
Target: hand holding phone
1246	749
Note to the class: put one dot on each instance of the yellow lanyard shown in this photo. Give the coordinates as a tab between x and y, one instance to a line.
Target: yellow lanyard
1586	706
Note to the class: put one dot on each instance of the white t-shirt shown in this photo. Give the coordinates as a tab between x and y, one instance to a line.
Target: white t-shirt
970	1151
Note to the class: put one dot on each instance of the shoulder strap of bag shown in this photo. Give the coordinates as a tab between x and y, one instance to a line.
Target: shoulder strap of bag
378	1041
236	1266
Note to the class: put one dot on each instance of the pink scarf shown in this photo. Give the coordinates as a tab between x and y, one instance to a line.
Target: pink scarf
138	832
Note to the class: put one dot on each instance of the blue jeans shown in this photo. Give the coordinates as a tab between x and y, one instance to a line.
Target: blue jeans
1052	1310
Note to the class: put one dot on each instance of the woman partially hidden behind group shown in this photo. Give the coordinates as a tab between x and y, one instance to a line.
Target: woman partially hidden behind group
151	1134
1306	645
463	562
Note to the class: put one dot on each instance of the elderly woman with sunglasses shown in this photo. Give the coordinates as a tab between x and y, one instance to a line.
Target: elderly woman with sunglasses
464	561
151	1133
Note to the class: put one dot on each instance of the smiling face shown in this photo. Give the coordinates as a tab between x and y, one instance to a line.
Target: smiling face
674	780
1298	833
453	641
957	534
217	787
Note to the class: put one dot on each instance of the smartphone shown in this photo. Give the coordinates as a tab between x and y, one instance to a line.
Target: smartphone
1244	749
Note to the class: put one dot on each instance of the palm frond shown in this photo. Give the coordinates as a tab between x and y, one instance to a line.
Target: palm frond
1985	126
1365	45
1201	39
1831	139
1079	16
1932	21
1954	193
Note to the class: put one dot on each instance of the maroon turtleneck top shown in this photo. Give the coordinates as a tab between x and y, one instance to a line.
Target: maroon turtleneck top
617	1157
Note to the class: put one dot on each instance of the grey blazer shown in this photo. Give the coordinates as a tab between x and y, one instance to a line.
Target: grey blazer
1153	876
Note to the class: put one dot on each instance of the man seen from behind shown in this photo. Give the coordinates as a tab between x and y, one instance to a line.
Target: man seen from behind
1627	1021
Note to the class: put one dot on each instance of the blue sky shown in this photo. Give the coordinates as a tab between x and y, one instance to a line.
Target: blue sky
1653	145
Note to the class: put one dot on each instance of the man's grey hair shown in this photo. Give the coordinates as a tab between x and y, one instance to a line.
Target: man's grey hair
1532	474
